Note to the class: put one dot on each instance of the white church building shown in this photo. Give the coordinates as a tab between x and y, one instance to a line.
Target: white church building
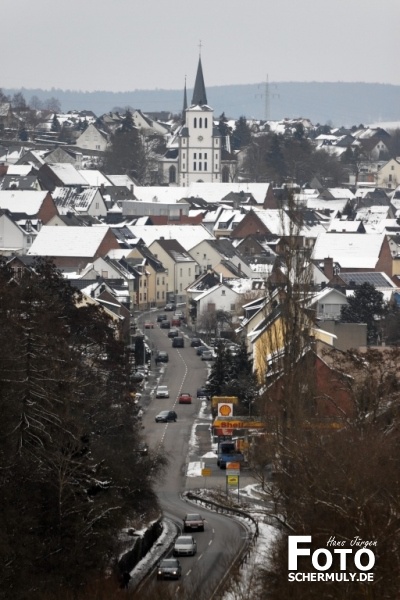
197	152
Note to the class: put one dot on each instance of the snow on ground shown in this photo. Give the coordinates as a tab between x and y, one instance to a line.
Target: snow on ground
194	469
209	455
203	413
251	491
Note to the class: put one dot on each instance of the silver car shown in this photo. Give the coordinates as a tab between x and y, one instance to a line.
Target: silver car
185	545
162	392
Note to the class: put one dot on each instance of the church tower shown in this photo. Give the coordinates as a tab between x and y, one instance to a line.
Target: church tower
199	141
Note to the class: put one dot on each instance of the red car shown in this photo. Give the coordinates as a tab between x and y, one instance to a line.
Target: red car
185	399
149	325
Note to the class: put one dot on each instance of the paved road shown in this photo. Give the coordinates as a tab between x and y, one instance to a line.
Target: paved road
223	537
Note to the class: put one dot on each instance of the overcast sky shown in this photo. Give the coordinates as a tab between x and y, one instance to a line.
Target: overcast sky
123	45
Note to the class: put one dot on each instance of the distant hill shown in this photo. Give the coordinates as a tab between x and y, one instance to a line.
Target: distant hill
333	103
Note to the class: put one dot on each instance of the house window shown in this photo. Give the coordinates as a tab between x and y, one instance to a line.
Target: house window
97	205
140	297
390	177
233	307
180	272
180	287
189	271
163	281
145	297
392	167
162	295
158	295
29	240
158	281
141	283
204	255
223	293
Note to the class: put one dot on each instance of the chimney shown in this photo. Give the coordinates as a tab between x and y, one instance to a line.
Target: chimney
328	268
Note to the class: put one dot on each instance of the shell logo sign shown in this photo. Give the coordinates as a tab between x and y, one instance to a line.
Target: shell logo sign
225	410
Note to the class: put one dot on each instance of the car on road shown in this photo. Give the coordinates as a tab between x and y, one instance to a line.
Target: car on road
161	318
202	393
178	342
185	398
201	349
175	322
166	416
195	342
170	307
162	391
162	356
149	325
173	333
169	568
165	325
207	355
185	545
193	521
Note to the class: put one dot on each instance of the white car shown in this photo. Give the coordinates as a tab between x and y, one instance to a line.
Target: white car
162	392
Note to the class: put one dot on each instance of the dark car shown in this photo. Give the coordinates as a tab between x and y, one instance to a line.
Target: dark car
173	333
165	416
162	356
201	349
169	568
178	342
202	393
170	307
195	342
165	325
193	521
161	318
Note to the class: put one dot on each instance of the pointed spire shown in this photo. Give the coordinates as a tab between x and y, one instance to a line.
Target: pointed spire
199	92
185	104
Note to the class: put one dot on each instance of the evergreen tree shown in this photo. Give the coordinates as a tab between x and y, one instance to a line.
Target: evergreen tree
55	124
242	134
365	306
126	155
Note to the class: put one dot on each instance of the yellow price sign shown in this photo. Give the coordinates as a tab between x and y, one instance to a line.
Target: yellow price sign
233	480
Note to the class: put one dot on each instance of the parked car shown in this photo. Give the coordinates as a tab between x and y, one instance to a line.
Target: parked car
161	318
201	349
165	416
162	356
195	342
179	314
170	307
169	568
173	333
175	321
185	545
149	325
185	398
178	342
207	355
162	391
193	521
165	325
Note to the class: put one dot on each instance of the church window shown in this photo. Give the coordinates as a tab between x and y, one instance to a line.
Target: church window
172	174
194	155
200	122
200	155
216	142
183	154
225	175
205	123
195	122
199	166
216	156
205	155
194	166
205	166
183	166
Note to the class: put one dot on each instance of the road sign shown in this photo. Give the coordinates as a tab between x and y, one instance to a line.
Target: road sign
206	472
233	472
232	480
233	465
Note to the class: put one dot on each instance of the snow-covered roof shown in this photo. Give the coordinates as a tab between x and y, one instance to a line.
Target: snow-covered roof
121	180
276	220
68	241
215	192
187	235
161	194
20	170
350	250
68	174
94	177
22	201
343	226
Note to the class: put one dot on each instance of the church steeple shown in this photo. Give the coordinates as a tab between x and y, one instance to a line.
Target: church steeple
185	104
199	92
